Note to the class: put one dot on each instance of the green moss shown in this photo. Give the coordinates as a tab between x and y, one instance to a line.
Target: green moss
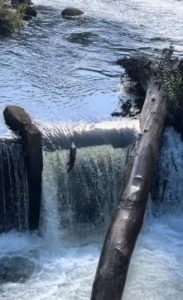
174	90
169	73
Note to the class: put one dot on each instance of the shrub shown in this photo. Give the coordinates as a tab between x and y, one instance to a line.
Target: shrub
168	72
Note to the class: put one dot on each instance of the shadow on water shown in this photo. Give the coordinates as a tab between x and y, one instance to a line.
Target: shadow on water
15	269
83	38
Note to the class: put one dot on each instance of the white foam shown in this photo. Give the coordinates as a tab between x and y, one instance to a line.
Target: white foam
67	128
156	270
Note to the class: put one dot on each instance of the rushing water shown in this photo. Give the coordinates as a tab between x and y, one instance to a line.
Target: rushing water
156	269
13	187
60	262
64	70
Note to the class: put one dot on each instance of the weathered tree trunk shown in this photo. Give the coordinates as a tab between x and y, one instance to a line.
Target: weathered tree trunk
128	219
20	122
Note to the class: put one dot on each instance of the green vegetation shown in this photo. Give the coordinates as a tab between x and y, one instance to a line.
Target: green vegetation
10	19
172	80
174	90
166	70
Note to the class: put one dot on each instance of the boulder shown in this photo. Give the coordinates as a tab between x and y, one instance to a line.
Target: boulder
8	18
28	12
5	29
71	12
25	8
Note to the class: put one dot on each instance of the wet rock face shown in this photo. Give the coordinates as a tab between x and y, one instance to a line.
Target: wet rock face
15	269
20	122
71	12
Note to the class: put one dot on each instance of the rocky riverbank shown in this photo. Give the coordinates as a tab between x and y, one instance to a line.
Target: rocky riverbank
13	13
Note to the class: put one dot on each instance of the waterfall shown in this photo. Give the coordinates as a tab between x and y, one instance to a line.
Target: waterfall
61	262
60	135
168	188
156	260
87	195
13	187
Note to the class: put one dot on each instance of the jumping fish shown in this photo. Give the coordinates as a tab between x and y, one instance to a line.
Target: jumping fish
72	157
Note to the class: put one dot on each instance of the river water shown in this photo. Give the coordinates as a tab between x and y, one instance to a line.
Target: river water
64	70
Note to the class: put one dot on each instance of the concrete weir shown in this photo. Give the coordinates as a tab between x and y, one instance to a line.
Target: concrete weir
20	122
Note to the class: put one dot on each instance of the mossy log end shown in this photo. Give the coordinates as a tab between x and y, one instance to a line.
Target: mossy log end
128	219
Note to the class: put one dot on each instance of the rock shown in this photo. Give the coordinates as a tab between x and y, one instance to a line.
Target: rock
25	8
18	3
71	12
20	122
7	19
15	269
15	3
5	29
10	19
116	114
82	38
27	17
28	12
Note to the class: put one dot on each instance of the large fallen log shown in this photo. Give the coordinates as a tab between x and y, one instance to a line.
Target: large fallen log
19	121
127	221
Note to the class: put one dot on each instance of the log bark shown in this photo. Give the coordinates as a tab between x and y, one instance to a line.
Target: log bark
128	219
20	122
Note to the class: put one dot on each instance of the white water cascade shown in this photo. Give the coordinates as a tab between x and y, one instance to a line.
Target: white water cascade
13	187
61	70
60	261
156	270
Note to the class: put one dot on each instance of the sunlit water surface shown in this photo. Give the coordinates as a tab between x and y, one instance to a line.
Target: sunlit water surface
62	69
65	70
